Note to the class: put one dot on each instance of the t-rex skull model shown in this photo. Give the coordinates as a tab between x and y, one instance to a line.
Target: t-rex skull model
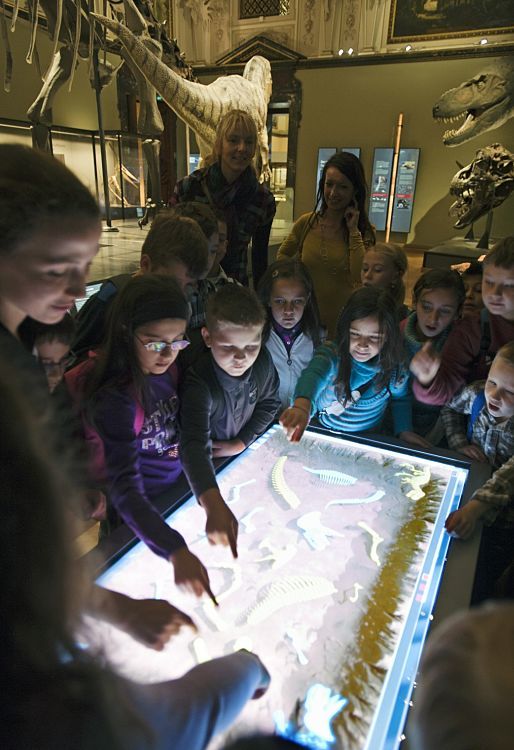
482	185
202	106
486	101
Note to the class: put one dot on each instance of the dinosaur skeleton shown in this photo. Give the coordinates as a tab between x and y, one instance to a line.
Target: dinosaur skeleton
486	101
482	185
202	106
74	37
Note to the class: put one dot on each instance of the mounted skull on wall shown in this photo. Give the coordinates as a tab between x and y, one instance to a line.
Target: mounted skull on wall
482	185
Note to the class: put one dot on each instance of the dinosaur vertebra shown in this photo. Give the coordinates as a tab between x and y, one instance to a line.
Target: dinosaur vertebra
487	101
202	106
482	185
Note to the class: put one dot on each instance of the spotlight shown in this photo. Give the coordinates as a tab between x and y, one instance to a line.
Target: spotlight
350	51
341	52
408	47
483	41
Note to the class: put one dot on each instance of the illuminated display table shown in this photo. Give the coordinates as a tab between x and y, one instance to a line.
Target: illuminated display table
341	551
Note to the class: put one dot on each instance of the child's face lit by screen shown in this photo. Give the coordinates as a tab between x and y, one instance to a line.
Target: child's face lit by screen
366	339
499	389
436	309
288	300
234	348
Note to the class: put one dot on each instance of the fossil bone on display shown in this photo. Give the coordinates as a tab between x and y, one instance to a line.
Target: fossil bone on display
485	101
482	185
201	106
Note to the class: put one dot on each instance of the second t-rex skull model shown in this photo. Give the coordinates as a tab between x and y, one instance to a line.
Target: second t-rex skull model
482	185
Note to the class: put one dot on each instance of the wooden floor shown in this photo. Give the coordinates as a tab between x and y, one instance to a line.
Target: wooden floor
119	253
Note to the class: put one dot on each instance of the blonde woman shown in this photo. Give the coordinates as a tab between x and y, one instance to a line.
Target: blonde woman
331	240
229	183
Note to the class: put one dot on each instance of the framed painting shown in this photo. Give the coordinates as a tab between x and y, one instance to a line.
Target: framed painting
425	20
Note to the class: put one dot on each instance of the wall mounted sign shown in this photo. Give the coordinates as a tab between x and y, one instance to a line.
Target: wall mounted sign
404	189
380	185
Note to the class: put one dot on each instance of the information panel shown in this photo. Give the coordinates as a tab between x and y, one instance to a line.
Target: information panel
404	189
380	185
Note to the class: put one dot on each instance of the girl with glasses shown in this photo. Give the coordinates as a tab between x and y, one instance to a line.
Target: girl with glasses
130	401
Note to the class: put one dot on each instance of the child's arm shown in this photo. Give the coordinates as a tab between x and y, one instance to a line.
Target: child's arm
268	401
196	408
319	373
495	496
454	418
425	363
114	419
152	622
457	357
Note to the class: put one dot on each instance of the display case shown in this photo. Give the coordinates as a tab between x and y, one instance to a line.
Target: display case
342	549
79	150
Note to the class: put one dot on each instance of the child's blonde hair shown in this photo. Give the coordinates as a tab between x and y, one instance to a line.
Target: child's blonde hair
398	258
506	352
464	695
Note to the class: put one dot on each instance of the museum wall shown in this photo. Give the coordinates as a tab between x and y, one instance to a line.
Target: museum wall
76	109
359	106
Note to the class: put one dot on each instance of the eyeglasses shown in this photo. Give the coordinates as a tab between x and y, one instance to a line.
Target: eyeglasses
157	347
50	366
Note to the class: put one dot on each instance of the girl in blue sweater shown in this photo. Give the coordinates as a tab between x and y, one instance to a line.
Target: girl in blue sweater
349	384
292	331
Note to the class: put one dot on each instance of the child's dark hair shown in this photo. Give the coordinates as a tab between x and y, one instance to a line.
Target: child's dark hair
291	269
62	331
367	302
440	278
351	167
201	213
177	238
502	254
37	191
475	268
234	304
144	299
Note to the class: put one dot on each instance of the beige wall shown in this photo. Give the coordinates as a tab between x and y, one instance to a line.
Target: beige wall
75	109
359	106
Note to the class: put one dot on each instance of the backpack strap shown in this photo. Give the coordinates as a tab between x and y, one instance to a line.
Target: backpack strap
476	407
485	332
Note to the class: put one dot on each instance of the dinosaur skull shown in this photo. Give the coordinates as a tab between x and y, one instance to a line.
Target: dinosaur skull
482	185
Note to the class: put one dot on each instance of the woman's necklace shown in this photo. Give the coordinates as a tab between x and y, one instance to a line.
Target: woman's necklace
327	231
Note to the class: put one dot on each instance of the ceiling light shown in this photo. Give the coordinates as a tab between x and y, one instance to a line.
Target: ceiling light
350	51
408	47
483	41
341	52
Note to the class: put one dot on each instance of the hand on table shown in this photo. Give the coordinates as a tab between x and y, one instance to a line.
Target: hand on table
425	364
223	448
190	573
417	440
294	420
461	523
153	622
221	526
474	452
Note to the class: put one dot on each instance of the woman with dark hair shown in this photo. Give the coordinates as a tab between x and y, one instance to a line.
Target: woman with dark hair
331	239
60	695
229	182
